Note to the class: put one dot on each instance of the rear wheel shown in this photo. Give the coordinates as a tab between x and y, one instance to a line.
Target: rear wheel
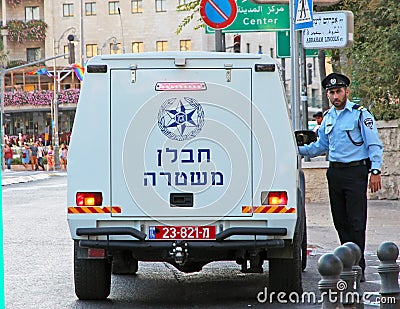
92	277
285	275
304	248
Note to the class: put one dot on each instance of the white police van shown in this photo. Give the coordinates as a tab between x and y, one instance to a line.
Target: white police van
185	158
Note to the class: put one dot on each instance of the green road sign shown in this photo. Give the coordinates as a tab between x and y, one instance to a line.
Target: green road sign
283	46
258	17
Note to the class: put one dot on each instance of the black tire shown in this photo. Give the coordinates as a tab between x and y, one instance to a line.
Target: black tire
302	205
285	275
304	248
92	277
124	264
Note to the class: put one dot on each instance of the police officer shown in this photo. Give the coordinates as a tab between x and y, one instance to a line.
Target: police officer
348	131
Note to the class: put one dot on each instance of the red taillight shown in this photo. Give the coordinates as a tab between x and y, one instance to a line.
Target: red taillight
96	253
277	198
89	199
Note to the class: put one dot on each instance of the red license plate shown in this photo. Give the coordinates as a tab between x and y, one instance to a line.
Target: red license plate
182	232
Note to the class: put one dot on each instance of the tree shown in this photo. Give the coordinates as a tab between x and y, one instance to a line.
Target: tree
194	7
373	62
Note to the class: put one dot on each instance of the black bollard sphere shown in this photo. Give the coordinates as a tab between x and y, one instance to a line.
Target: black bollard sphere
345	254
389	269
388	252
356	251
329	265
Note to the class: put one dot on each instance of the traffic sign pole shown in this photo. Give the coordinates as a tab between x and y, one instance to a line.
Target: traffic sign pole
295	80
219	40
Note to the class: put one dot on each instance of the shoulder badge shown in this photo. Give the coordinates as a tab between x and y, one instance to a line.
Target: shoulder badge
369	123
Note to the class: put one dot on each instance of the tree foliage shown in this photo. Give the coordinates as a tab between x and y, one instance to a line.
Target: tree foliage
373	62
194	8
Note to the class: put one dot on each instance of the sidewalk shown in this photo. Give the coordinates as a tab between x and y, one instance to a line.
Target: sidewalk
382	225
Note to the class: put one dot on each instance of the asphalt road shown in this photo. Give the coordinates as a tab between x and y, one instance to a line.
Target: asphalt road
39	263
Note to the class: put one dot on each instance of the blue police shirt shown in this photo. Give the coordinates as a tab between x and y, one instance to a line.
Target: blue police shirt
333	136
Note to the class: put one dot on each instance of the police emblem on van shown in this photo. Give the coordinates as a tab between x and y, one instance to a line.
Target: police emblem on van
181	118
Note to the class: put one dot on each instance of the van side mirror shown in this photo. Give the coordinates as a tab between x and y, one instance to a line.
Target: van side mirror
305	137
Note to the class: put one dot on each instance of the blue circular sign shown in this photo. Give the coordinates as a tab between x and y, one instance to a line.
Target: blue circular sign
218	14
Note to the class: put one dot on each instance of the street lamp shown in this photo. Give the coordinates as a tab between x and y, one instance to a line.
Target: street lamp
56	86
114	44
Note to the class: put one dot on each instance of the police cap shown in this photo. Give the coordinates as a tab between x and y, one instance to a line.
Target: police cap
335	80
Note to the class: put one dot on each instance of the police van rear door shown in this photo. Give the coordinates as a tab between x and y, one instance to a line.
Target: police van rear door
181	139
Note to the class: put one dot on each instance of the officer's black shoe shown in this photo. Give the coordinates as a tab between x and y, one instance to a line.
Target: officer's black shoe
362	277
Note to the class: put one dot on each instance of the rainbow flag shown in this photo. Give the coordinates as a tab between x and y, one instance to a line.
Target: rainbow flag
42	71
79	71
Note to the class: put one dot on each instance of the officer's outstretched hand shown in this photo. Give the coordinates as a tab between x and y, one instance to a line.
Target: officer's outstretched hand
375	183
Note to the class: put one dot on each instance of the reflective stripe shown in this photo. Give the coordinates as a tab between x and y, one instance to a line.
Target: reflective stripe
268	209
94	210
246	209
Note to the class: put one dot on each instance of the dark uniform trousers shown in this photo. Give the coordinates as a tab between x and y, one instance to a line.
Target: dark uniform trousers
348	199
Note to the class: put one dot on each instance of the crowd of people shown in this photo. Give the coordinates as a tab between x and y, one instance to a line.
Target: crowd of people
33	156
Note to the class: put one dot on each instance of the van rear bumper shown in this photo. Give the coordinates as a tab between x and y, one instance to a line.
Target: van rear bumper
220	242
234	231
199	252
228	244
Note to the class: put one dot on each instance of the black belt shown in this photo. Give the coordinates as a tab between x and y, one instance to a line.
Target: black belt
349	164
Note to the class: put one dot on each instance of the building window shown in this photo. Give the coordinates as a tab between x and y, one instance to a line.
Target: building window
137	47
136	6
113	7
115	48
68	10
32	12
160	6
162	46
90	8
33	54
182	2
91	50
185	45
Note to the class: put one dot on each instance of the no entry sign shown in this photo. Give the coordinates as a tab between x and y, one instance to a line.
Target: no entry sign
218	14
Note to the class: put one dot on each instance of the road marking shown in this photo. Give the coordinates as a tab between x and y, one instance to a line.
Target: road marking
25	188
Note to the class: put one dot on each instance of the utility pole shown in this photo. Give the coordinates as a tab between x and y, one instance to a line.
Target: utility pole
82	36
56	86
295	80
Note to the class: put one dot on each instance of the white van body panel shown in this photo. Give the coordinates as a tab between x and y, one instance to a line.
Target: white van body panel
243	148
185	158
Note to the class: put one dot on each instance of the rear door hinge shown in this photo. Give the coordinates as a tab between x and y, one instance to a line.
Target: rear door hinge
133	73
228	68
